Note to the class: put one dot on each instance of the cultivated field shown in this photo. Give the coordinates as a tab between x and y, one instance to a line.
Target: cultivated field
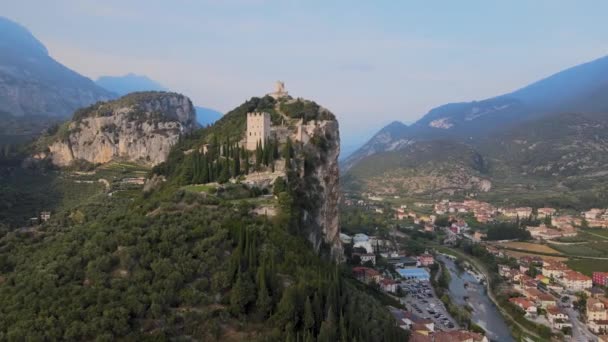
529	247
589	249
588	266
515	254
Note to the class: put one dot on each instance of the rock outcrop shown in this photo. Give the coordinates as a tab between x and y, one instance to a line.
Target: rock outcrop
319	184
328	174
140	127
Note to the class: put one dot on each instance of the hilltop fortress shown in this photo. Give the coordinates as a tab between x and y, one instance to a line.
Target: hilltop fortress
260	127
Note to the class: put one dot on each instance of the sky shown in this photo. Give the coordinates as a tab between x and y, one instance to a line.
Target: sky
369	62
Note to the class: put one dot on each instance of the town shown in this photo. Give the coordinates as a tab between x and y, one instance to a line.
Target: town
537	277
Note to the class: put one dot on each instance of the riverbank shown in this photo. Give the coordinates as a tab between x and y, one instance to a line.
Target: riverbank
468	294
518	330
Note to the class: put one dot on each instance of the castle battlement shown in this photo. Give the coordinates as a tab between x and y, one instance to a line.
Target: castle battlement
254	114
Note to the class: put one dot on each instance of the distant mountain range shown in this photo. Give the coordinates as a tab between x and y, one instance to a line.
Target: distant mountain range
33	83
129	83
550	133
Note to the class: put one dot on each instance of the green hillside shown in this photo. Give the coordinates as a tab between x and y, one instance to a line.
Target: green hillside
558	160
183	261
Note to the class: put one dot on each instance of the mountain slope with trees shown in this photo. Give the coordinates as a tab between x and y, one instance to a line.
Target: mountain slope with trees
185	260
547	138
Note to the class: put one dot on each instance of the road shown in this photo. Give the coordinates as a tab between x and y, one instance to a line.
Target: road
579	329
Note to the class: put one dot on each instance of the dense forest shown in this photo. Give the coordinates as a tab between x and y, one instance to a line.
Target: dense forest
174	263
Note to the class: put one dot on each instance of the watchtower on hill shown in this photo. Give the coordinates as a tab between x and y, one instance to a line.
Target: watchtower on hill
280	91
258	129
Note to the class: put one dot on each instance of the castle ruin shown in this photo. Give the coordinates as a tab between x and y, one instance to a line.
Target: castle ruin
280	91
258	130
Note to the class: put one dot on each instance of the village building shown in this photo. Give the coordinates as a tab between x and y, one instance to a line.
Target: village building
557	318
366	274
575	281
600	278
388	285
524	304
542	213
554	269
426	260
367	257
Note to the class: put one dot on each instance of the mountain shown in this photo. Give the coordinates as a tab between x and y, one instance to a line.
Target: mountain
582	88
221	244
547	138
33	83
139	127
207	116
129	83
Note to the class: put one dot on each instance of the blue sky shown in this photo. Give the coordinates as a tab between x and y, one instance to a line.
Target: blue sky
370	62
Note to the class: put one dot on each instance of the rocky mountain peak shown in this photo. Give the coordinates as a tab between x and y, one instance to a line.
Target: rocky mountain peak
140	127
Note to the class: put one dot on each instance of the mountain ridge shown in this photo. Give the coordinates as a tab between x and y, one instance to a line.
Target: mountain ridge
546	138
472	120
33	83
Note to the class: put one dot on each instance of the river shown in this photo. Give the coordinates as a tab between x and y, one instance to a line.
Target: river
485	313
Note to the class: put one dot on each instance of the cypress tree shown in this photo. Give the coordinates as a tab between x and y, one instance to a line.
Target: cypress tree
264	301
309	317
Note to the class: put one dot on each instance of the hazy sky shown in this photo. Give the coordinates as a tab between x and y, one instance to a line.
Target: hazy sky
370	62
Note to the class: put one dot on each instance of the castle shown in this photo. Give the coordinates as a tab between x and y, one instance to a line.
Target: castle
258	130
280	91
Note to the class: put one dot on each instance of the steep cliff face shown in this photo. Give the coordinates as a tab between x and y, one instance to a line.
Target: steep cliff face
321	185
140	127
326	219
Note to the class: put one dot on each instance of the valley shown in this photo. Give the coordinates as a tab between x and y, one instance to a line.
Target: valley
130	210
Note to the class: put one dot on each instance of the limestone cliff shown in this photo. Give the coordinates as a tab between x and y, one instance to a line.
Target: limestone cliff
321	175
140	127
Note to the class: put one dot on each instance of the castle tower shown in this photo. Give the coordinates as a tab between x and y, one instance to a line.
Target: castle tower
258	129
280	90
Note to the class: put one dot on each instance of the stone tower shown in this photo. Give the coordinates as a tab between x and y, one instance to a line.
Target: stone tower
258	129
280	90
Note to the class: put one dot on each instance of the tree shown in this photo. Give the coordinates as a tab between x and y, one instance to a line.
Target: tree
309	316
264	301
242	294
279	186
328	332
